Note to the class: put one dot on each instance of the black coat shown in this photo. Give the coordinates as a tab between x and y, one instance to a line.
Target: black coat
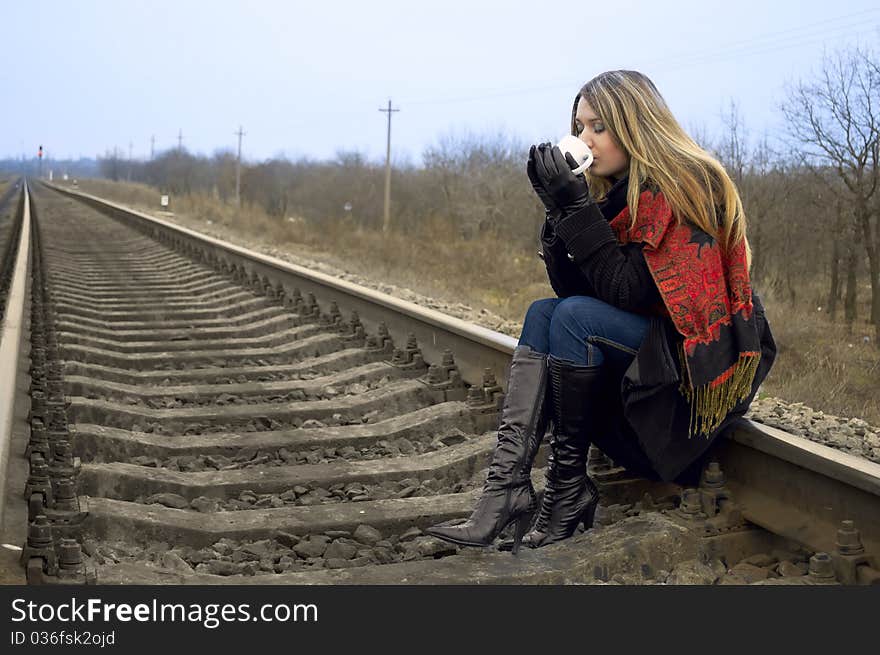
647	425
650	422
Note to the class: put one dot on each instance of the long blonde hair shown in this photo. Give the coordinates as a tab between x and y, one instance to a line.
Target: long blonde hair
694	183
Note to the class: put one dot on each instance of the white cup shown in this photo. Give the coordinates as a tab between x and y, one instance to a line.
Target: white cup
579	150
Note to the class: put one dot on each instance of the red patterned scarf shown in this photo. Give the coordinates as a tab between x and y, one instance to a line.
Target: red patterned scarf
709	300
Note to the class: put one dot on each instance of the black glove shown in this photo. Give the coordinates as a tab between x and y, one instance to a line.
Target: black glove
569	192
553	212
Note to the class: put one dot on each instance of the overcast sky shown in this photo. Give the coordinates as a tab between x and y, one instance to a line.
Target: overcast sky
308	78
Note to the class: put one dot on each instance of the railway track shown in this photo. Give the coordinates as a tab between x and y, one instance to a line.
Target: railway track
201	413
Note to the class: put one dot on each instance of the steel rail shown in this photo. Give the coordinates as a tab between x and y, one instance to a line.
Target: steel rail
800	489
12	338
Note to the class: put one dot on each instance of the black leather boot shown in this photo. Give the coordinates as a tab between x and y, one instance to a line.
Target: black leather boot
508	494
570	497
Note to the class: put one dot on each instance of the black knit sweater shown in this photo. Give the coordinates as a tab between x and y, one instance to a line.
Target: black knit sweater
584	258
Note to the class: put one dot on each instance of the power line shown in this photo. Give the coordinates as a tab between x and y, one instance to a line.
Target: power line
674	62
822	27
765	48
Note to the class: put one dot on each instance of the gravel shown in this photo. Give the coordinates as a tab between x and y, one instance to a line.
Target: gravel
252	457
317	495
851	435
328	392
367	546
286	552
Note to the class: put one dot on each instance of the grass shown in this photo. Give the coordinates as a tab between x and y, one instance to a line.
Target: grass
818	363
823	366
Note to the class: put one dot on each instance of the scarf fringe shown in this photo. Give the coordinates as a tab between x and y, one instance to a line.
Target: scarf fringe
711	403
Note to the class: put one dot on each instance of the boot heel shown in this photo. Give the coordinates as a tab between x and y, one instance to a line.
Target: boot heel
522	526
521	428
589	514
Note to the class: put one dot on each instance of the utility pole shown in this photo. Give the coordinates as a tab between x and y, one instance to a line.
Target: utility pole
129	160
240	134
152	146
180	140
386	223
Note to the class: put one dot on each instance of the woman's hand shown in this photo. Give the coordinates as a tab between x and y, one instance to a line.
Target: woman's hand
553	211
567	191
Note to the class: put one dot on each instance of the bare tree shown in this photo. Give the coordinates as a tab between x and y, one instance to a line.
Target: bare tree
760	176
223	173
110	165
733	149
834	121
484	182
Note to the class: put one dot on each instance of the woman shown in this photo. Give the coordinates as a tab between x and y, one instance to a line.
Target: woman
655	342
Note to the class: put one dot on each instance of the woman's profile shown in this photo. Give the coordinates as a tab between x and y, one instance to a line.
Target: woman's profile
655	341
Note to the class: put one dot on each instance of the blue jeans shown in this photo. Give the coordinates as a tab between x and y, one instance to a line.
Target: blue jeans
585	331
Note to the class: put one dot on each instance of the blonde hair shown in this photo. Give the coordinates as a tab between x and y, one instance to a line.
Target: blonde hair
694	183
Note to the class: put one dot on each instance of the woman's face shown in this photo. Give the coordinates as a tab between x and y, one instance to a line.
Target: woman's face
608	159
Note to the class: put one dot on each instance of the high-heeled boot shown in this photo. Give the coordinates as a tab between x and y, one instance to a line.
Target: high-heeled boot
508	494
570	496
